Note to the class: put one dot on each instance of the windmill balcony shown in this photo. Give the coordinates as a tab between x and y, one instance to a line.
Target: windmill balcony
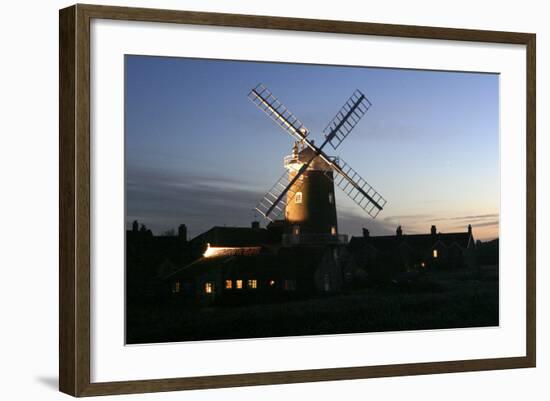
290	160
313	239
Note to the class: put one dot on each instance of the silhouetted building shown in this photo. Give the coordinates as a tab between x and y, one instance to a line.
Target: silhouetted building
254	264
408	252
261	274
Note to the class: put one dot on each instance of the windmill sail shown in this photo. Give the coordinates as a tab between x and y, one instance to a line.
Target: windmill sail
274	201
353	185
359	190
270	105
347	118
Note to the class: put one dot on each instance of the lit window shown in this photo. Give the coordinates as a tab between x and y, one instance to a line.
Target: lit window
176	287
435	253
238	284
208	287
298	197
271	283
252	284
296	230
331	198
228	284
333	230
423	264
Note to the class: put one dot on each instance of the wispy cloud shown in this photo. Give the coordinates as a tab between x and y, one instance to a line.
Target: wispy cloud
469	218
421	222
493	223
162	200
352	223
397	218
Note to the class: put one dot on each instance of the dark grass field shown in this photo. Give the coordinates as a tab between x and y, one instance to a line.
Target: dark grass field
435	300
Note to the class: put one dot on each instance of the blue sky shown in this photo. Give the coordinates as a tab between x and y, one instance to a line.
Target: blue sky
199	152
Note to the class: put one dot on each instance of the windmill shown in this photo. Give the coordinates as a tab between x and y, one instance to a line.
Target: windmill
305	191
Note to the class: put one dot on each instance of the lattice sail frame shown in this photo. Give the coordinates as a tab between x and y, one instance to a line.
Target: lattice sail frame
347	179
273	194
278	112
372	206
347	118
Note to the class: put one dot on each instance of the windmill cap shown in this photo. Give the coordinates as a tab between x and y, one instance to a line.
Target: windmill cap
317	164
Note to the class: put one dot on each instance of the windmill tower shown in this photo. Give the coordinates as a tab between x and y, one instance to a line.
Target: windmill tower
305	191
310	205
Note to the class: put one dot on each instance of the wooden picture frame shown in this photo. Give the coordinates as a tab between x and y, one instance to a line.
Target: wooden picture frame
74	205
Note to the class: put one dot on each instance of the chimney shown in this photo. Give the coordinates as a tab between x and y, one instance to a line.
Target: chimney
366	233
182	232
256	225
469	229
433	230
399	231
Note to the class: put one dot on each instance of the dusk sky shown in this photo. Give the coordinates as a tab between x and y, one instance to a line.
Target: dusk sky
199	152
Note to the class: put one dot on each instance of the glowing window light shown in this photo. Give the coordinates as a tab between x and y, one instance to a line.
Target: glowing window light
176	287
331	198
271	283
252	284
423	264
228	284
298	197
238	284
208	287
333	230
434	253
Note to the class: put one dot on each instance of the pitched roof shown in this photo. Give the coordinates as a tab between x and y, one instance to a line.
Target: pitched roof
295	258
233	237
420	242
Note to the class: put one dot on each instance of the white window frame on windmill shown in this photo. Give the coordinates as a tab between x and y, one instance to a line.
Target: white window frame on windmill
298	197
330	198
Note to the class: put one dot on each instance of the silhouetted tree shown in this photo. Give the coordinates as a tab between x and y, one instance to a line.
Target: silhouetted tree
169	233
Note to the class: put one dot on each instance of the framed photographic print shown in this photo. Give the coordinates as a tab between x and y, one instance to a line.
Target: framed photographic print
251	200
